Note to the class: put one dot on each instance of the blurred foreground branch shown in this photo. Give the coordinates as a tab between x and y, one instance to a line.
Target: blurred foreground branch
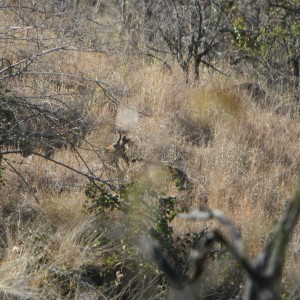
263	273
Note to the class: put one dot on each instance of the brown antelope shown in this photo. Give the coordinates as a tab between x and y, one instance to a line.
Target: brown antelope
159	174
118	150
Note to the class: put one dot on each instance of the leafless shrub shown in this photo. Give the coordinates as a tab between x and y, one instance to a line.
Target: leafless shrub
189	31
28	127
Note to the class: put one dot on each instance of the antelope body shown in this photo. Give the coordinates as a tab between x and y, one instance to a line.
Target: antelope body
158	173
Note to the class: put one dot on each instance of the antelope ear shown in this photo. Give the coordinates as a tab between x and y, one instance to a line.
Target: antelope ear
109	149
120	139
125	140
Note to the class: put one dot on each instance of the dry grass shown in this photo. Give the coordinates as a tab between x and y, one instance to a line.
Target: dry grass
242	158
62	239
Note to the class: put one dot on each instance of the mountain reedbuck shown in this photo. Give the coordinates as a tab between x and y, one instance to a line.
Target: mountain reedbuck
118	151
168	178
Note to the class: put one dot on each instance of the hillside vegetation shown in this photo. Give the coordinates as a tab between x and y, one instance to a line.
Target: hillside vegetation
118	116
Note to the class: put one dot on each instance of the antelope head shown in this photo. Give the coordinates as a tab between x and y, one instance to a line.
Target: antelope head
118	150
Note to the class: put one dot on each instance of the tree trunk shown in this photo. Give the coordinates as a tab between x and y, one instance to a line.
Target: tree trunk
196	69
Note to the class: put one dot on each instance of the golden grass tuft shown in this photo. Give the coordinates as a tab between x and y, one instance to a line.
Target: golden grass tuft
60	240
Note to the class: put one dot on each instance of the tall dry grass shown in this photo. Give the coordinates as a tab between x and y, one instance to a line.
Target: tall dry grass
244	160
